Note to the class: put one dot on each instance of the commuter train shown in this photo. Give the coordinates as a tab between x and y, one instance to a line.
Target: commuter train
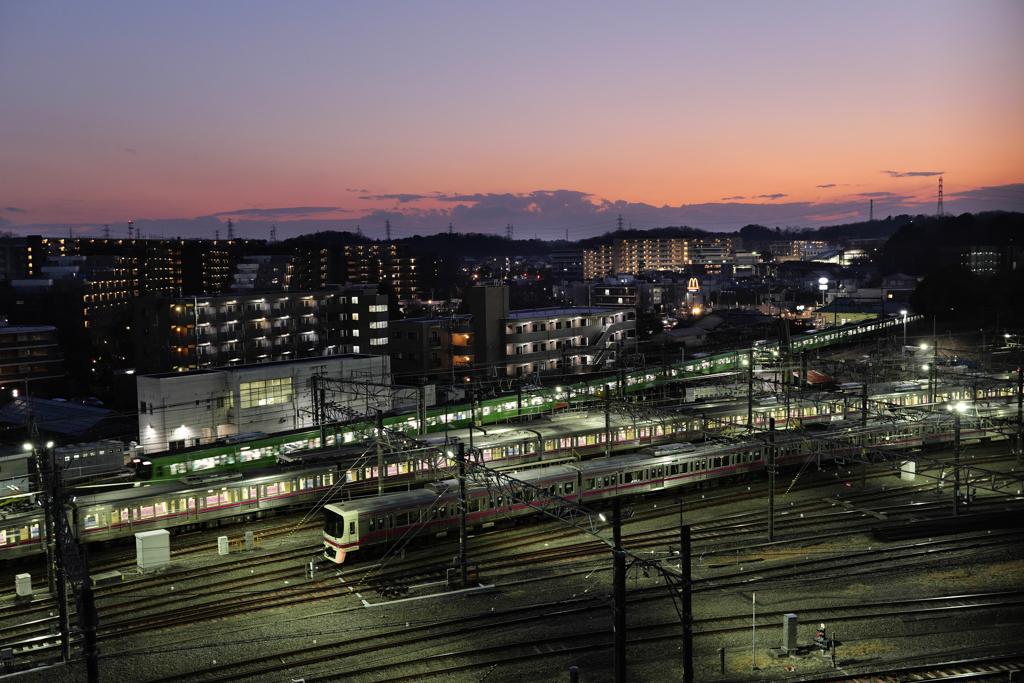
696	421
530	401
208	500
395	520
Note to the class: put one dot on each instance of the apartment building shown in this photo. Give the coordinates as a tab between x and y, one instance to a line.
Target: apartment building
492	340
28	354
176	334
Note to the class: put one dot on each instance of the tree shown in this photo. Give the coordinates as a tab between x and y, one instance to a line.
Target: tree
952	292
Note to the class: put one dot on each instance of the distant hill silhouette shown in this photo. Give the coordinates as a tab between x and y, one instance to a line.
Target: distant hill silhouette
917	244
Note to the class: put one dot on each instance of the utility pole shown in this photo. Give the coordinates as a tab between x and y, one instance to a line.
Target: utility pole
684	566
607	422
72	567
463	508
956	461
619	581
1020	414
380	452
750	389
770	460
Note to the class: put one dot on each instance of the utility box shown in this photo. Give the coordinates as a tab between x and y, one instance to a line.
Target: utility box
153	550
23	585
789	622
249	543
908	471
222	545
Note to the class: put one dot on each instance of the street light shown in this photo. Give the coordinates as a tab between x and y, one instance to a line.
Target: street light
904	314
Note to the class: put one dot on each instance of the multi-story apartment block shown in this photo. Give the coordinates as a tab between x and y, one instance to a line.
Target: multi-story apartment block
434	348
263	274
713	253
662	254
806	250
493	340
82	294
20	257
640	255
565	339
599	261
410	273
567	264
175	334
28	353
992	260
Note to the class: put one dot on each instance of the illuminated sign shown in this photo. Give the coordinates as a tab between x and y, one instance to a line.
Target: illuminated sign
692	285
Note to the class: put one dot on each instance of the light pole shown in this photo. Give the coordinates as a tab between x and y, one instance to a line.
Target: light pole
904	314
823	286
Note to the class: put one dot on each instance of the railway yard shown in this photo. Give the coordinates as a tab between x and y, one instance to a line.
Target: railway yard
879	560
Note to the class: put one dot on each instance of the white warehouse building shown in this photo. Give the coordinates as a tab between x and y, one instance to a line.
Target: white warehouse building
183	409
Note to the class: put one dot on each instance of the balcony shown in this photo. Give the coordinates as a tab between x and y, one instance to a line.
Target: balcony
211	318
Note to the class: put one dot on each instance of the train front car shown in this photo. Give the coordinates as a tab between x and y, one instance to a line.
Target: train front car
341	531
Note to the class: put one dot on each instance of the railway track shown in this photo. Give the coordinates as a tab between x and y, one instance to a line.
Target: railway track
421	636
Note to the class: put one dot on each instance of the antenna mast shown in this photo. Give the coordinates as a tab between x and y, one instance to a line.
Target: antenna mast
871	216
130	226
942	211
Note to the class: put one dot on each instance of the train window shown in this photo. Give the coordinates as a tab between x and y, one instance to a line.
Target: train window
3	536
391	521
92	521
605	482
474	505
661	471
403	519
590	485
569	487
703	464
34	529
161	509
211	500
372	524
673	469
627	478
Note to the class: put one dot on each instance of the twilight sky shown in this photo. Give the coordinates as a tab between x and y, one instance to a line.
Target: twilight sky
552	116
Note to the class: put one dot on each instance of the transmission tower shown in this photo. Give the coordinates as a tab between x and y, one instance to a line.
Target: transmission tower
106	232
130	226
508	232
273	233
387	229
231	230
942	211
620	223
216	235
451	230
